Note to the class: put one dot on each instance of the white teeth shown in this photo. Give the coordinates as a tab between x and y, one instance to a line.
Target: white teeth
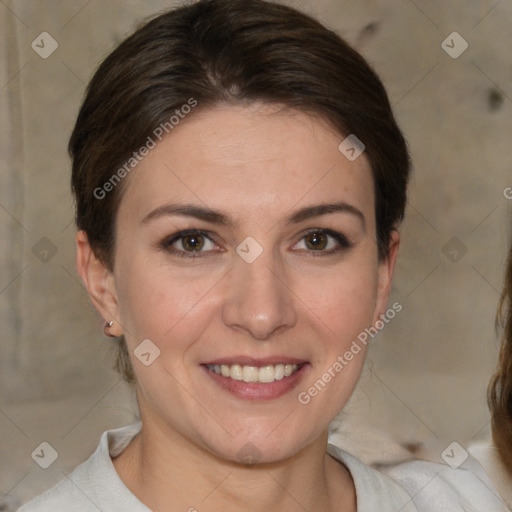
250	374
235	372
263	374
279	371
266	374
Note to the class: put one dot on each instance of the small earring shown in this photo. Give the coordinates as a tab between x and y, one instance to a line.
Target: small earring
106	328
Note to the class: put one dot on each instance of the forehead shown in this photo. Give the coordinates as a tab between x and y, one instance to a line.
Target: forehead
259	158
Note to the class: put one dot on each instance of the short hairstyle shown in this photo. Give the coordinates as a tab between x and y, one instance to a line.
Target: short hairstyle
236	52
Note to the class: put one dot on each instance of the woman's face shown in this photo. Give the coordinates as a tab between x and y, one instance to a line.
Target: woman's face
246	250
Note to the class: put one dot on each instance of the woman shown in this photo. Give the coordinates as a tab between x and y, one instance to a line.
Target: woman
500	387
497	459
239	181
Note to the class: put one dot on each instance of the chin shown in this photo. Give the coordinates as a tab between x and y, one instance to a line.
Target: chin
251	449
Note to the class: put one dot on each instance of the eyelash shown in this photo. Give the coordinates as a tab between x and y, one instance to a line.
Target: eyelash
343	243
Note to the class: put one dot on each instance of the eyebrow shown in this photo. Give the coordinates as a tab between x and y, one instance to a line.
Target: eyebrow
188	210
216	217
323	209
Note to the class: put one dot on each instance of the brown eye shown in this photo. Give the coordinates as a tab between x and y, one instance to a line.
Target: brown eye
193	242
322	242
316	241
190	243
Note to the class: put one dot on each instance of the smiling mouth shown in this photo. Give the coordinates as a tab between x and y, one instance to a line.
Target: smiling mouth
262	374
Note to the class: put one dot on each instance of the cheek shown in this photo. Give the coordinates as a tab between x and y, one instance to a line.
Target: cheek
156	302
343	301
340	308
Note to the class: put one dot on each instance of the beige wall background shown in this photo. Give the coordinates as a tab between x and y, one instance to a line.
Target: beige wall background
424	385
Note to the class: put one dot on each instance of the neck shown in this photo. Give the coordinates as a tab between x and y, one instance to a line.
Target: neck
167	472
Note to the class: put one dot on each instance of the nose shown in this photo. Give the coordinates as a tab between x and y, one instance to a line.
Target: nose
258	298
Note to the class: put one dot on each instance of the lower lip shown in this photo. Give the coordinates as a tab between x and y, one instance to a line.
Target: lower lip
259	390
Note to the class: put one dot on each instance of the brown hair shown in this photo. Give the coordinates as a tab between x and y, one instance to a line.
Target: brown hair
235	51
500	386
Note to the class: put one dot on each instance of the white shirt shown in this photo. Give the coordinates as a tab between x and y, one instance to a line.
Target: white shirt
413	487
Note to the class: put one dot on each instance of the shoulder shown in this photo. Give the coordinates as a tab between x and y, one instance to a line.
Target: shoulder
374	490
95	484
420	486
63	497
437	487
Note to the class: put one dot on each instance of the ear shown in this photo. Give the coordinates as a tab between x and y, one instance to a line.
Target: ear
99	281
386	271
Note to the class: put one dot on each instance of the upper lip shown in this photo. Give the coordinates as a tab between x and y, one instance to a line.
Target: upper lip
252	361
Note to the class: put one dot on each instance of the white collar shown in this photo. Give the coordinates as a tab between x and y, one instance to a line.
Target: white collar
374	490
